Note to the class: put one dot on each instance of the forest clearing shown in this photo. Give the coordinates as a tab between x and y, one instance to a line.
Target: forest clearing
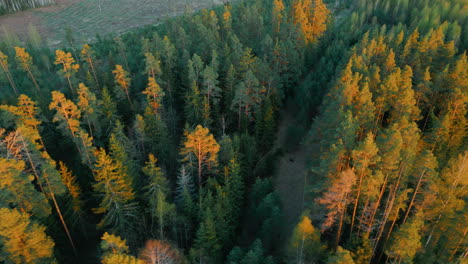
86	18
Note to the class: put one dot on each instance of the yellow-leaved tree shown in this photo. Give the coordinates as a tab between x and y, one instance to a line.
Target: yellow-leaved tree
202	146
115	250
305	244
122	81
25	61
277	14
23	240
154	95
68	63
311	17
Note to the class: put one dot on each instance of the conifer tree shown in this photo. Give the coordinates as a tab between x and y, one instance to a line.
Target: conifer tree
78	214
68	114
6	70
115	251
23	240
311	17
277	15
88	55
336	200
25	61
364	155
154	95
116	195
68	63
122	150
17	189
122	82
109	110
210	84
202	146
406	241
207	245
194	104
153	67
341	256
156	194
227	17
248	97
88	105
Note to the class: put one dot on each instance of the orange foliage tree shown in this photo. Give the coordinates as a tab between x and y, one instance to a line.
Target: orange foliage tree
25	61
159	252
311	17
201	144
154	95
122	80
68	63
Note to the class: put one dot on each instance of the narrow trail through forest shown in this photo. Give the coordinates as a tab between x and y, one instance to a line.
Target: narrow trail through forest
293	173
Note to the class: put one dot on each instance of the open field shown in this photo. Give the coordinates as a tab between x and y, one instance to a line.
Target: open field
86	18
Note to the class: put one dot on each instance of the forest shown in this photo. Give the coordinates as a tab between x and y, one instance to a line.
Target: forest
160	145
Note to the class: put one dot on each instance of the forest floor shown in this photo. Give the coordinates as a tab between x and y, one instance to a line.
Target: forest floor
86	18
292	175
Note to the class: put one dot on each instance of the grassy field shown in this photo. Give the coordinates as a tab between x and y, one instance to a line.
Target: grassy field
86	18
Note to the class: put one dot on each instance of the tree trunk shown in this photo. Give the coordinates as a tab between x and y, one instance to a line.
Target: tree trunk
418	185
33	79
356	203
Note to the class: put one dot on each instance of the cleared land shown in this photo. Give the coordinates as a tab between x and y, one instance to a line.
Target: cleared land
86	18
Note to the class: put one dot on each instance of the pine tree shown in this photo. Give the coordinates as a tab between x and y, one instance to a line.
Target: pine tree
210	85
68	63
207	247
88	106
25	61
248	97
341	256
17	189
6	70
154	95
364	155
109	110
68	114
116	195
153	67
156	194
88	55
277	15
122	150
311	17
202	146
78	214
336	199
406	241
23	240
27	114
194	105
115	251
227	17
122	82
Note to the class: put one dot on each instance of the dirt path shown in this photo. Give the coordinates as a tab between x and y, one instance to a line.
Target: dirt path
292	174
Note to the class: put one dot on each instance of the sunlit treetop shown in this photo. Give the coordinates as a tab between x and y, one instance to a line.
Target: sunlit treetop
23	58
67	61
